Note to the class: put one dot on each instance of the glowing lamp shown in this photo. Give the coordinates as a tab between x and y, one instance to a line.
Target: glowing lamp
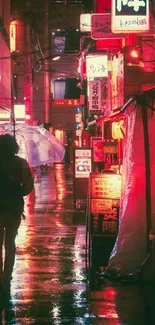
27	117
118	131
55	58
132	56
134	53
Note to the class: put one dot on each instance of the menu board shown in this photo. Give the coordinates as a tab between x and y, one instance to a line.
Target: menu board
83	162
105	186
104	203
104	216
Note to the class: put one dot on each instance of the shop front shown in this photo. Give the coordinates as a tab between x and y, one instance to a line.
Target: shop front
125	209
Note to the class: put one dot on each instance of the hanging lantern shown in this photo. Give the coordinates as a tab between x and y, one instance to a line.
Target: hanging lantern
118	131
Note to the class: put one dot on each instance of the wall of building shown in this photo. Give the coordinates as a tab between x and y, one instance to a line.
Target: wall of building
63	117
5	67
42	18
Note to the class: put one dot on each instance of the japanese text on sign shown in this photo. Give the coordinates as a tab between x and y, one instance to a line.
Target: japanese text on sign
107	186
130	16
101	27
95	95
134	4
104	216
96	66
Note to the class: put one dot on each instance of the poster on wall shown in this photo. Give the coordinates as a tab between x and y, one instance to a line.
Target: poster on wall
83	162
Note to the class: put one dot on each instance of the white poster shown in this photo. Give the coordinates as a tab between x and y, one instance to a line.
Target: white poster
96	66
83	163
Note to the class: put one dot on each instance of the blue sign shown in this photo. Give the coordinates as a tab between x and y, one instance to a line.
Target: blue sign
78	125
78	109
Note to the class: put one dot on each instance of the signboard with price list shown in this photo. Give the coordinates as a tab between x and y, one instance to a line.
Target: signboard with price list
104	203
103	216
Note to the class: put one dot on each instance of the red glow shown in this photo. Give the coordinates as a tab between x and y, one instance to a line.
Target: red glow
27	117
109	44
103	6
139	64
134	53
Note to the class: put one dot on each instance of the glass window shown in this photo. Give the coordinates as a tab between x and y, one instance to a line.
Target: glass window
58	44
59	89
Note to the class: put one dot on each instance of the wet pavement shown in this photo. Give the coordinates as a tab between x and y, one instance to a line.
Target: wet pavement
51	280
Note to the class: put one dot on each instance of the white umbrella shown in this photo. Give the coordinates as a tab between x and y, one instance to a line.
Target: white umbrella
37	145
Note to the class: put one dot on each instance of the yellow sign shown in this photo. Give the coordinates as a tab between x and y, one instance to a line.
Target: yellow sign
13	36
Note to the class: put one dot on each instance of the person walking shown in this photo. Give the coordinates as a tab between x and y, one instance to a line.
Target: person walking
16	181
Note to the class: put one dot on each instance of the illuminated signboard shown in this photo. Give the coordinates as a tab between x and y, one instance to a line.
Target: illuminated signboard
19	110
96	66
13	36
104	203
106	186
65	102
83	162
130	16
4	116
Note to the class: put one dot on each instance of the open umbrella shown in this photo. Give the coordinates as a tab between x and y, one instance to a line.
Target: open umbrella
37	145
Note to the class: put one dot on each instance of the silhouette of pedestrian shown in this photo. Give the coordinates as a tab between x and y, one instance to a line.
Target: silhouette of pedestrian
16	181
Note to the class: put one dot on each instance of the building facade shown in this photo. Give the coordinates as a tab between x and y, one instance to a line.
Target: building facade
47	30
5	62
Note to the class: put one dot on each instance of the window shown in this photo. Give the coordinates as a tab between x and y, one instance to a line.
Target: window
59	89
58	44
65	41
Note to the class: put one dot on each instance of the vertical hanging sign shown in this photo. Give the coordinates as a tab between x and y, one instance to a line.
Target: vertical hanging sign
12	36
95	96
130	16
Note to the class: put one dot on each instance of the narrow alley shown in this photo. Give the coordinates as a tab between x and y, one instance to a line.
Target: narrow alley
51	283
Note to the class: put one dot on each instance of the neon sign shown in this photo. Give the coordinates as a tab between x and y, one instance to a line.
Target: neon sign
12	36
130	16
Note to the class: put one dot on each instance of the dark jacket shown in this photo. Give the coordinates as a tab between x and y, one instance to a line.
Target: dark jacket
16	181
